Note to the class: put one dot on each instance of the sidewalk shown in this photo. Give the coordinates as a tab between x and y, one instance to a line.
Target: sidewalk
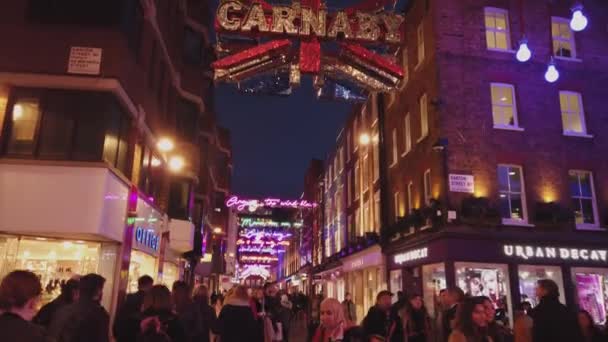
298	331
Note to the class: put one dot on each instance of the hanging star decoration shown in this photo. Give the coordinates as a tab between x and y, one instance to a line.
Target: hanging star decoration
266	48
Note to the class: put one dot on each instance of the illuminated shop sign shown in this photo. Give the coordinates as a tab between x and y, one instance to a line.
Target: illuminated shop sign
147	237
253	204
557	253
415	254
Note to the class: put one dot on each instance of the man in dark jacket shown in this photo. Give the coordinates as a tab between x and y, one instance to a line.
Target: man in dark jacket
380	325
126	324
85	320
350	311
69	294
553	321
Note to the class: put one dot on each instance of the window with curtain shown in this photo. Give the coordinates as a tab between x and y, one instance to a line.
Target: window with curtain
573	115
563	38
583	198
504	109
511	194
497	29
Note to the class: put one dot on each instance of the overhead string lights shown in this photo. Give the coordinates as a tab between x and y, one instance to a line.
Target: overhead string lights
523	52
551	75
579	20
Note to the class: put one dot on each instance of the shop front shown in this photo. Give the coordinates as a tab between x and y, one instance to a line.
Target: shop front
330	282
504	271
365	275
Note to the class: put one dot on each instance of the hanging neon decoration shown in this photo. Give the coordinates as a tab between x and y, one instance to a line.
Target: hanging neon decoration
253	204
263	259
258	234
252	222
241	25
255	270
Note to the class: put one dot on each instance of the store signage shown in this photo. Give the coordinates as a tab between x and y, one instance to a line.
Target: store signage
147	237
462	183
415	254
559	253
297	20
84	60
363	260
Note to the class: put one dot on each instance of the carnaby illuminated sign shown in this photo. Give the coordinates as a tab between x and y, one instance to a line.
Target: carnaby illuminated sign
557	253
415	254
253	204
147	237
297	20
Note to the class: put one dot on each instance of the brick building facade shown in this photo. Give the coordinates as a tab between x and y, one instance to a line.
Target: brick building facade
531	152
67	126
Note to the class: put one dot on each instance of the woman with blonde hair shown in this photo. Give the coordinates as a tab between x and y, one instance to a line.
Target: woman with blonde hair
236	321
334	326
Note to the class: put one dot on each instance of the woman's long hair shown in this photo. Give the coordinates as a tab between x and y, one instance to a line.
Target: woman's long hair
464	317
417	319
157	299
181	295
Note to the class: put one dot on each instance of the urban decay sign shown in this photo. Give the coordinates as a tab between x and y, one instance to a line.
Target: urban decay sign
555	253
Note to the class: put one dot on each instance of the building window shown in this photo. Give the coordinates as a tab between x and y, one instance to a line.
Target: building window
583	199
407	134
341	159
348	146
377	211
497	29
511	194
410	203
573	115
349	187
376	154
504	109
563	38
357	181
355	135
336	167
25	118
424	117
427	187
366	217
420	42
395	152
396	204
365	173
358	229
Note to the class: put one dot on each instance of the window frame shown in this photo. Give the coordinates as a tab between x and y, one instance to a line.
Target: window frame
494	30
581	114
424	116
593	198
510	221
571	41
420	53
515	126
394	148
426	182
407	134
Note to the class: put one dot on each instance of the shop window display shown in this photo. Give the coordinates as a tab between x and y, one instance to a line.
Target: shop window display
141	264
433	281
170	274
592	291
490	280
528	277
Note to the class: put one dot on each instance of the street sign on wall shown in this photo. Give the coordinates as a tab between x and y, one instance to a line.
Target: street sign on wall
462	183
84	60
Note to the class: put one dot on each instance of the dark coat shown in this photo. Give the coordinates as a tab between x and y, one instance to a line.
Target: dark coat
190	317
170	324
554	322
449	315
83	321
47	312
126	323
384	326
208	321
237	323
15	328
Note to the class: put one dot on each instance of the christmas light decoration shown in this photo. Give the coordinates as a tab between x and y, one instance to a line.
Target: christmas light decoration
241	204
255	270
551	75
579	20
251	222
523	53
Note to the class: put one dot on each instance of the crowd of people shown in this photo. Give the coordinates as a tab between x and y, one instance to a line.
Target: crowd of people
156	314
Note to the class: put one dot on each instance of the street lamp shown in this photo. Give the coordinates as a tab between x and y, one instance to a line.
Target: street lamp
364	139
165	144
176	163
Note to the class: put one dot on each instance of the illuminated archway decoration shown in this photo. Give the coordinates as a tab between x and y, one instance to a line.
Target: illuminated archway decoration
264	48
255	270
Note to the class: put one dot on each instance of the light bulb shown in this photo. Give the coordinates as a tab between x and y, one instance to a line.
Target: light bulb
579	21
523	53
552	74
176	163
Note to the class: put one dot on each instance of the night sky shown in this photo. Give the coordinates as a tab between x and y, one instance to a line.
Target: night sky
274	138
